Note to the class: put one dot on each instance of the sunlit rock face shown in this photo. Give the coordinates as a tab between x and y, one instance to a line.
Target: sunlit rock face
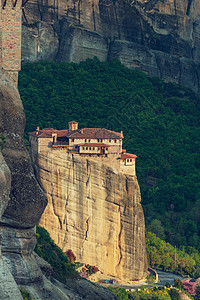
94	211
22	202
161	38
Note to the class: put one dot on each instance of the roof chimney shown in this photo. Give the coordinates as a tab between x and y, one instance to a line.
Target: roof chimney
122	136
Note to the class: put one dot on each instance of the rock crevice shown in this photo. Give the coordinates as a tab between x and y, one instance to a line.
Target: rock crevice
101	210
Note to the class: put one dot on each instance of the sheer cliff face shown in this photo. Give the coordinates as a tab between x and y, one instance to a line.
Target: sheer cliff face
21	204
95	212
161	38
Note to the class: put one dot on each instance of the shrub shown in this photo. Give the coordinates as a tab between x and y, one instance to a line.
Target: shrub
46	248
71	255
178	283
25	294
119	292
190	287
174	294
168	285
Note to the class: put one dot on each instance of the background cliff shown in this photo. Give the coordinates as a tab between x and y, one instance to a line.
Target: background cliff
161	38
94	211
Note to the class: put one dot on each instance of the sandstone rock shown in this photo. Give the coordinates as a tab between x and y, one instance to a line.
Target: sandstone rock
94	211
8	287
5	182
21	204
39	42
83	29
88	291
26	195
169	67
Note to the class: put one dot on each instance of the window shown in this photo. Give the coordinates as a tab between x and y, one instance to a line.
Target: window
86	148
106	148
109	141
83	148
72	140
98	140
127	160
115	141
85	140
101	140
89	141
130	160
90	148
93	148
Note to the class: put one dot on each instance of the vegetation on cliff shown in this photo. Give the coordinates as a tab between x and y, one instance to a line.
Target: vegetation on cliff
160	293
162	255
160	123
47	249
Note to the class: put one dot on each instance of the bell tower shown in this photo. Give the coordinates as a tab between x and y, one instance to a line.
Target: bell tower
10	37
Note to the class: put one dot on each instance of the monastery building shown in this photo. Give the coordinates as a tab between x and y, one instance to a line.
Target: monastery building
96	143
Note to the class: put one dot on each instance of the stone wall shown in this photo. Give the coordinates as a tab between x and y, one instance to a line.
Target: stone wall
10	19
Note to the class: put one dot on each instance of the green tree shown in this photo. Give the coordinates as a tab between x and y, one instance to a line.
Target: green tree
157	228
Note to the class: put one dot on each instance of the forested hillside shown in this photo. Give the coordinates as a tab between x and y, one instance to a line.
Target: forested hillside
160	124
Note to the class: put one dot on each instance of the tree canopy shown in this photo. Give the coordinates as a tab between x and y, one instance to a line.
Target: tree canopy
160	123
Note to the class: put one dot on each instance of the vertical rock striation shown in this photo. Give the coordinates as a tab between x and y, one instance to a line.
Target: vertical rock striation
22	202
94	211
161	38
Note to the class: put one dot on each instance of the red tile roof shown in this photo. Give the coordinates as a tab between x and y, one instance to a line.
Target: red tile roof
73	122
47	133
94	145
94	133
85	133
128	155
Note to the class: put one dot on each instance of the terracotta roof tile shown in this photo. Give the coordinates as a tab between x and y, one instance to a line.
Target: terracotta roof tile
47	132
128	155
95	133
85	133
73	122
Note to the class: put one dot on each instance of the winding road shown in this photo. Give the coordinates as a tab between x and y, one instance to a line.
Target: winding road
163	278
